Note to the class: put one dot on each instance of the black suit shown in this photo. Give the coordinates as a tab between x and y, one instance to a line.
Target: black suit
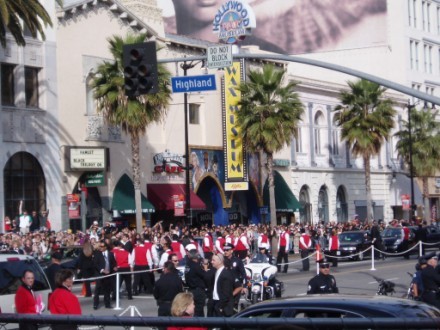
225	287
105	284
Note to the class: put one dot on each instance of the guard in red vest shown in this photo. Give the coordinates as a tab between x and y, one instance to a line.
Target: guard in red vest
305	243
283	249
177	247
208	246
263	240
143	261
124	263
220	242
333	246
242	245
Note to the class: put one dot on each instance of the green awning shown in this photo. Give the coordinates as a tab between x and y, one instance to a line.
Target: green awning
285	200
123	198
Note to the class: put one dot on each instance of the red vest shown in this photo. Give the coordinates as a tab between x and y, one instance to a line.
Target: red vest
405	233
175	246
140	255
283	241
264	238
334	243
121	256
210	247
306	239
221	240
240	246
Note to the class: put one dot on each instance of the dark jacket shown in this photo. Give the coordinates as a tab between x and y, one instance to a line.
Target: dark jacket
322	284
225	288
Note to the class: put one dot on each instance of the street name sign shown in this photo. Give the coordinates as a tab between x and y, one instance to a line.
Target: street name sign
219	56
188	84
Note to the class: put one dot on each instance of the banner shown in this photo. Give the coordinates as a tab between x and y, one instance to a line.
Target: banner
73	205
406	204
236	171
179	205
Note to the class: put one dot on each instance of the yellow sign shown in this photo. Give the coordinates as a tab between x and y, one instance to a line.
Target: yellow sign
232	186
235	156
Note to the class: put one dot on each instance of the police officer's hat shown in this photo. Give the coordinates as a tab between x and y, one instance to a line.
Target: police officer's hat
422	260
323	263
228	246
431	255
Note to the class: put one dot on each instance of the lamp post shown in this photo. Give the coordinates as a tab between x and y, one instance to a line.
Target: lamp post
411	168
185	67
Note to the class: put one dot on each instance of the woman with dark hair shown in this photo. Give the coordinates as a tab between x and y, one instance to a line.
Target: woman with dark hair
62	300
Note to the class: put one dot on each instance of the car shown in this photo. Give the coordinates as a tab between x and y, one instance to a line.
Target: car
432	235
12	267
393	237
339	306
353	243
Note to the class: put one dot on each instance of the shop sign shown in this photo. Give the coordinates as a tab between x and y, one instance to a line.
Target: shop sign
86	158
179	205
73	205
95	179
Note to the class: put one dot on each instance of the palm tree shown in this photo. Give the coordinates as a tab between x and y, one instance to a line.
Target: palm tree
30	12
268	116
425	139
133	114
366	119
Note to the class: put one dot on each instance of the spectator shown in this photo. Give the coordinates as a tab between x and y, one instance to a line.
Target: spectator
183	306
62	300
25	302
53	268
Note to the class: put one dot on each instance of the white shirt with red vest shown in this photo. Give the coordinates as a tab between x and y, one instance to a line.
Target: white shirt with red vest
164	257
305	242
142	255
284	240
208	244
242	243
230	239
124	259
333	243
219	244
263	241
178	249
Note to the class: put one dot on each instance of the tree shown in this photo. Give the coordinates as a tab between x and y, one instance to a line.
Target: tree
425	139
268	116
30	12
366	119
134	115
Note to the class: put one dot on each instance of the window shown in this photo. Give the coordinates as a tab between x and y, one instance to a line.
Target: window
31	87
319	120
414	54
429	90
427	57
438	20
414	10
410	13
428	17
424	19
335	142
194	113
8	90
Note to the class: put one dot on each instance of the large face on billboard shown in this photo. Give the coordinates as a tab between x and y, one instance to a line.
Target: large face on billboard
288	26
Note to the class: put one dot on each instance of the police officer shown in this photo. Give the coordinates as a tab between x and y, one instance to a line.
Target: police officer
167	287
431	281
195	280
236	265
323	282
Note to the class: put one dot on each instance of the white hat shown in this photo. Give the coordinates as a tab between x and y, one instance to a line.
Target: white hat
190	247
95	223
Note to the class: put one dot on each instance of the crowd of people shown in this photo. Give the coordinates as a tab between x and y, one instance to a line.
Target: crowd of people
214	274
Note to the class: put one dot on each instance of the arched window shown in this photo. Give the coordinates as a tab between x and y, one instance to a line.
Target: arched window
319	122
335	139
341	205
306	207
323	205
24	180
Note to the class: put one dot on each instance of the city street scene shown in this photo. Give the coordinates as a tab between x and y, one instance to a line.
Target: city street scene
220	164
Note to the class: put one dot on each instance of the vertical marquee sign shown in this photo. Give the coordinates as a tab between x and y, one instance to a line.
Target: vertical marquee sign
235	157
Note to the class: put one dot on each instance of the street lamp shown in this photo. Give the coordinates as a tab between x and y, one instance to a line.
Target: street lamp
185	67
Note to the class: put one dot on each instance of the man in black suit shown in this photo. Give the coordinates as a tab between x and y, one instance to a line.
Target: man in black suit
105	264
223	298
127	245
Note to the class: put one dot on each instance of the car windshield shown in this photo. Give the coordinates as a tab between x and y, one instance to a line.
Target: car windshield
351	237
392	232
12	271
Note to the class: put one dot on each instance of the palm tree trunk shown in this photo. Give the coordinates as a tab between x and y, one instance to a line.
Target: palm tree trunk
272	204
368	187
427	210
136	179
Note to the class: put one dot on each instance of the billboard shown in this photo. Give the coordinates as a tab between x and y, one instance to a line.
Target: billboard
287	26
206	162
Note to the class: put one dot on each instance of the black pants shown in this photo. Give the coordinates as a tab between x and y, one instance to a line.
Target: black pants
403	247
305	261
127	279
333	258
199	301
431	298
142	280
164	308
242	254
105	285
282	257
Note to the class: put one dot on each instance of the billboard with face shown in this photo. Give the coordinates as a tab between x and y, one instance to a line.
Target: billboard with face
287	26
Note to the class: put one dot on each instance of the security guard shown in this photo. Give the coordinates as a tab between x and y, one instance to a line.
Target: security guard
194	278
431	281
167	287
236	265
323	282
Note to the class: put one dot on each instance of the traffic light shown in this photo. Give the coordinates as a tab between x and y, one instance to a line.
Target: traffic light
140	69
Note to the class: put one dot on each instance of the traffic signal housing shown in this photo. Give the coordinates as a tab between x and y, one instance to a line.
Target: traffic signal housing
140	69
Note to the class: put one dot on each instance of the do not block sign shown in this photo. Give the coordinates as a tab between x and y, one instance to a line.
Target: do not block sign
219	56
